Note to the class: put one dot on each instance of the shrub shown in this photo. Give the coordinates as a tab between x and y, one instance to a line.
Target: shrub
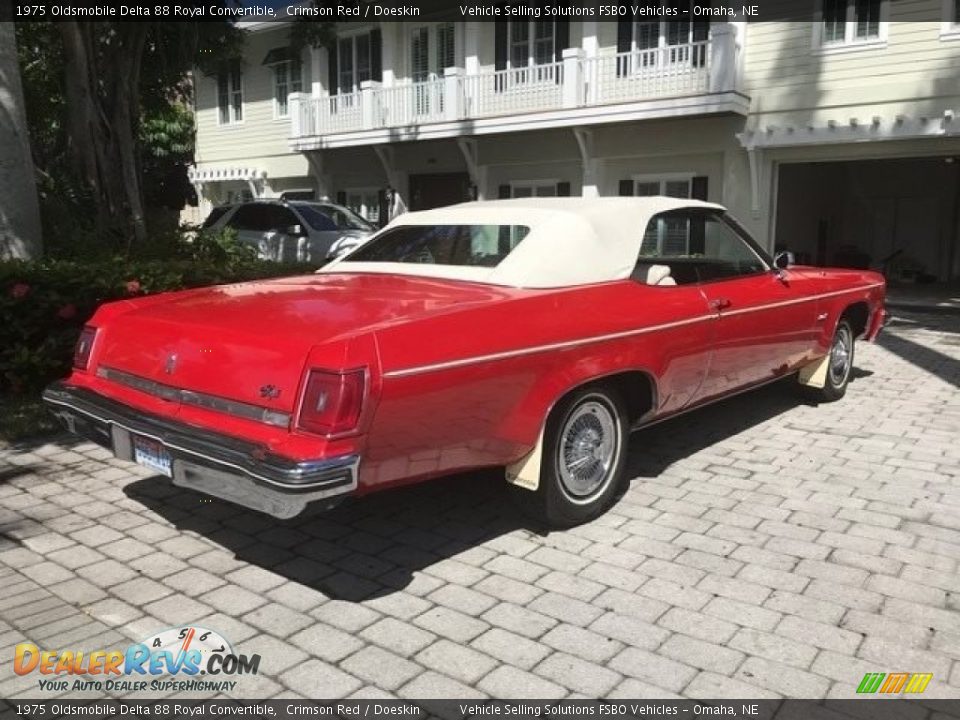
44	304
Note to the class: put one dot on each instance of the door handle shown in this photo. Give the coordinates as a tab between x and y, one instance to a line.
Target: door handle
720	303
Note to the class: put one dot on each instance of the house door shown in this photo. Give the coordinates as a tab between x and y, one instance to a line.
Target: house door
437	190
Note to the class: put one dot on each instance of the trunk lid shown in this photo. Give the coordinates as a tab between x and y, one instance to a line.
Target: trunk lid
234	341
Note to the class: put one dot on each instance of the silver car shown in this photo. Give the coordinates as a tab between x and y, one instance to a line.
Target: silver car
295	230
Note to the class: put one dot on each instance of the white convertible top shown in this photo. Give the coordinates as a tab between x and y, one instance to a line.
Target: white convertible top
572	240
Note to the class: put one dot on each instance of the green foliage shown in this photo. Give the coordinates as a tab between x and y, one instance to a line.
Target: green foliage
44	304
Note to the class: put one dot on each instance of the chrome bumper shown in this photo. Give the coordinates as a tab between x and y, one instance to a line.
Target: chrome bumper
232	469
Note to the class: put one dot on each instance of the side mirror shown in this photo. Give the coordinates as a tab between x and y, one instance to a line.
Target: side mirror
783	260
295	231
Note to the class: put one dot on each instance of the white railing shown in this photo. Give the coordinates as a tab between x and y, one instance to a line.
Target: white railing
335	113
412	104
707	66
505	92
658	72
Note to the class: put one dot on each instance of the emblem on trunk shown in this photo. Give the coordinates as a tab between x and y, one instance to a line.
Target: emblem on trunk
171	364
270	391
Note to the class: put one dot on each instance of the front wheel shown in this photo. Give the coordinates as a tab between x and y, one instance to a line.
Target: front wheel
584	454
839	364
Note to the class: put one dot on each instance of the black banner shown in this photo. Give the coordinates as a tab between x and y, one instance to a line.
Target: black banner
865	709
464	10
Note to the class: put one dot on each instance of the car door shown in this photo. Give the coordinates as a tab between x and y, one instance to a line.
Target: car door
249	221
283	234
766	318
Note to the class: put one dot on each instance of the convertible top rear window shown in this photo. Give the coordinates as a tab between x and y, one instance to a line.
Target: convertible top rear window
475	245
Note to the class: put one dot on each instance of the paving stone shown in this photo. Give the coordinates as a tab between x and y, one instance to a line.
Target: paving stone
701	654
456	660
662	672
774	647
381	667
519	620
326	642
587	644
782	679
430	685
519	684
451	624
315	678
511	648
400	637
580	675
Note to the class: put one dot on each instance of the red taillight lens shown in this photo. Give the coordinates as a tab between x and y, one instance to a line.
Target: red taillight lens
81	353
331	402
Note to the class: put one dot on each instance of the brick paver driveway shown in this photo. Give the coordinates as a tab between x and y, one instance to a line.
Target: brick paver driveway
765	547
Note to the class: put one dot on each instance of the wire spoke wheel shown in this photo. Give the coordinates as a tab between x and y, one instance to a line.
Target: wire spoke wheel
841	354
588	449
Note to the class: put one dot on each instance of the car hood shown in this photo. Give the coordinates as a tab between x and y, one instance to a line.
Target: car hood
231	341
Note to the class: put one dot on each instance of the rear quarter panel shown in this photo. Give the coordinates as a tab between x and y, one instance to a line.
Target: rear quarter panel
839	289
471	389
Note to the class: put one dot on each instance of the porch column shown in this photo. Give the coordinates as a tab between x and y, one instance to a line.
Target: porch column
592	166
369	104
390	51
573	77
452	96
295	101
318	70
471	46
723	58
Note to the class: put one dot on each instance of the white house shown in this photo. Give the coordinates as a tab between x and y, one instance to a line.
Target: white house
835	138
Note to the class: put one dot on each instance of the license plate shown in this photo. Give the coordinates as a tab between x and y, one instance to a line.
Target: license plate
153	455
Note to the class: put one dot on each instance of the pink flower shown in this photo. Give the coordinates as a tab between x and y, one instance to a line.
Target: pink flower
20	290
67	312
133	286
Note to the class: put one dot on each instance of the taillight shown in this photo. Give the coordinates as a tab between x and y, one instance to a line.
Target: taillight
331	402
81	353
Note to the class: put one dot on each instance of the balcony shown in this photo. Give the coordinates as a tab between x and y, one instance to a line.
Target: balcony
690	79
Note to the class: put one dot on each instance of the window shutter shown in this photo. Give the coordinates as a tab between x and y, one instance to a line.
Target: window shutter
562	39
342	197
563	189
500	45
624	35
503	192
376	55
698	188
626	188
333	75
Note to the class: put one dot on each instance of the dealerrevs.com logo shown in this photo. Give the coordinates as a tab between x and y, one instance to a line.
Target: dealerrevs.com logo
170	660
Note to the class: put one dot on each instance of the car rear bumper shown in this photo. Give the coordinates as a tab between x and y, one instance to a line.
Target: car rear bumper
226	467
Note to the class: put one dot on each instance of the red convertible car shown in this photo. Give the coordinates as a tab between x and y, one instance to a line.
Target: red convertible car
531	335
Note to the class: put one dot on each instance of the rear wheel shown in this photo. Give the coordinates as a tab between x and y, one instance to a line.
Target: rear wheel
583	458
840	364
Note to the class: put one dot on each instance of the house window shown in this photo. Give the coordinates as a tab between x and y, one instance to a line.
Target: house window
534	188
365	202
645	44
950	29
230	96
355	60
287	78
670	236
532	42
848	22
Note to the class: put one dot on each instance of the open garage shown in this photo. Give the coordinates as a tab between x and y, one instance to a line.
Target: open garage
902	214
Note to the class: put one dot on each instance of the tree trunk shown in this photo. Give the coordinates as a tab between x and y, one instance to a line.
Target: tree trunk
20	236
103	96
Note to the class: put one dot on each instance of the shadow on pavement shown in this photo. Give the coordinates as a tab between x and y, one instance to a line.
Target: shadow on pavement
376	545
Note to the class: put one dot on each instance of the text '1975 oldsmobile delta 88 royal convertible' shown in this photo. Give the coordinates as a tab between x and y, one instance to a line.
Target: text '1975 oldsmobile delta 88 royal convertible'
527	334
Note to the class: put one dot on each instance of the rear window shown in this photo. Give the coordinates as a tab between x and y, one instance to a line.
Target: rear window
478	245
215	214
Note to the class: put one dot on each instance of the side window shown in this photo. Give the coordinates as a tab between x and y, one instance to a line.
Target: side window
695	246
250	217
279	218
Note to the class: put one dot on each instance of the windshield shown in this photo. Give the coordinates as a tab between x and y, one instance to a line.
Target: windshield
480	245
320	217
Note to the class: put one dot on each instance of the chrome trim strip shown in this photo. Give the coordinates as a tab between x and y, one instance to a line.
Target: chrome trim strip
507	354
257	413
221	451
541	348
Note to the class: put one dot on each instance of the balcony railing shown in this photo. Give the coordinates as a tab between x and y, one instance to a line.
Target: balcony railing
673	71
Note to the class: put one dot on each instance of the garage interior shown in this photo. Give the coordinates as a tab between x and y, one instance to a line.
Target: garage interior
897	215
